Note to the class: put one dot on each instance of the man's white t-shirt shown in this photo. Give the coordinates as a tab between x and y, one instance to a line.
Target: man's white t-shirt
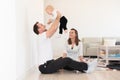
45	49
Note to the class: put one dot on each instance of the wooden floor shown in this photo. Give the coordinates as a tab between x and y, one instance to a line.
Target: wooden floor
68	75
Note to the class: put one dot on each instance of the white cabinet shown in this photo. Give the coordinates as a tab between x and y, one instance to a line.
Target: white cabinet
106	56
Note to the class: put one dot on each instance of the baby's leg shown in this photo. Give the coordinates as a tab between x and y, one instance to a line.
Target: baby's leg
63	24
60	28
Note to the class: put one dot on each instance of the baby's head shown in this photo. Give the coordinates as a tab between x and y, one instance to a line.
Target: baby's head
49	9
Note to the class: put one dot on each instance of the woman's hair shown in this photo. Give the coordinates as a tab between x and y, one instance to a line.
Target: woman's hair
77	40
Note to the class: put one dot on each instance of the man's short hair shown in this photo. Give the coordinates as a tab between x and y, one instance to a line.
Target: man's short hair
35	28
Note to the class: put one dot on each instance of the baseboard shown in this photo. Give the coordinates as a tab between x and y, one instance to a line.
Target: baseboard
26	73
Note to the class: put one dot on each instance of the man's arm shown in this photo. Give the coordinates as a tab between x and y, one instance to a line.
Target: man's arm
54	26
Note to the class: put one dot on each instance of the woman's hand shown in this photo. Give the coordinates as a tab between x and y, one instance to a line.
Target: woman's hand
64	55
82	59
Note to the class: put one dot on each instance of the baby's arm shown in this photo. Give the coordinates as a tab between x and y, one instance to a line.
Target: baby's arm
49	21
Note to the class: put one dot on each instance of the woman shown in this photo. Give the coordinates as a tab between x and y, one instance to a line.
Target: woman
74	50
74	47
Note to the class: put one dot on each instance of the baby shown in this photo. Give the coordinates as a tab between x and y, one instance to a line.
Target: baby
53	13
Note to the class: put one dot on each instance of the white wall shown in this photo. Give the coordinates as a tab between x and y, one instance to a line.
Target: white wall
7	40
92	18
27	13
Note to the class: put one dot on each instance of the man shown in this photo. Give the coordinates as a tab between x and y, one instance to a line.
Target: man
45	48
